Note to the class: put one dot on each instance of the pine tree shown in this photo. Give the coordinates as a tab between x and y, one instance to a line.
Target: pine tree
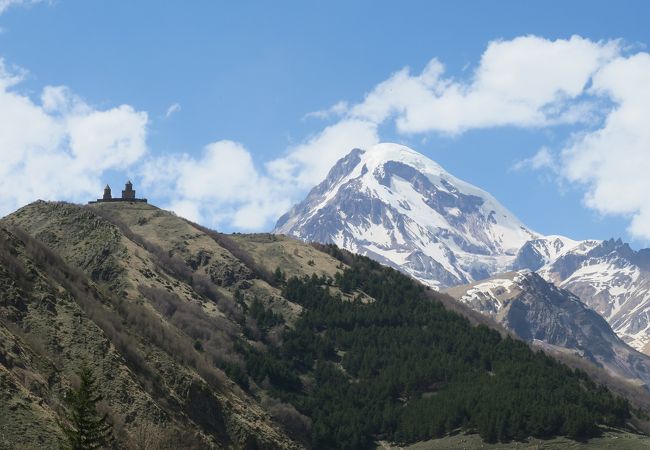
279	276
85	429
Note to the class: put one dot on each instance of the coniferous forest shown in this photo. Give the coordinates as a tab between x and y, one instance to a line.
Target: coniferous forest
403	368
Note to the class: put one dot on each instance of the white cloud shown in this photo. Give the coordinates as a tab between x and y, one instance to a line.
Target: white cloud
336	110
174	108
60	147
186	208
112	139
526	82
5	4
221	186
543	159
307	164
614	161
60	100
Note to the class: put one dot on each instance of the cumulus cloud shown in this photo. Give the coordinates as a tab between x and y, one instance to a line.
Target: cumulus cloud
526	82
614	160
223	187
220	186
59	147
306	164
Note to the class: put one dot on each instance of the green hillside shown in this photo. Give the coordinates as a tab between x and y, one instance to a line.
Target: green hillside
204	340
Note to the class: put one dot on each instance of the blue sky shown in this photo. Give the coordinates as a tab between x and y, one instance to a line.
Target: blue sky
246	74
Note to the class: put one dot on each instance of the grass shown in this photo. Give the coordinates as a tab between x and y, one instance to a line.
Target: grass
611	439
292	256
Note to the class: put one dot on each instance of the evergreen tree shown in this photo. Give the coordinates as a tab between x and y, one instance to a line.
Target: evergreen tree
85	429
279	276
404	368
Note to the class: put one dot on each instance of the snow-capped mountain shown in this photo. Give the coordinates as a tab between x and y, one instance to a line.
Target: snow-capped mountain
554	319
612	279
537	253
404	210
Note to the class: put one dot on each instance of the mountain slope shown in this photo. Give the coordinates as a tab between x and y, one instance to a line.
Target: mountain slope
159	334
195	332
42	316
391	361
402	209
550	317
612	279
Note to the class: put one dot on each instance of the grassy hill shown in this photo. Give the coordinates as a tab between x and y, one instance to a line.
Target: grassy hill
78	289
205	340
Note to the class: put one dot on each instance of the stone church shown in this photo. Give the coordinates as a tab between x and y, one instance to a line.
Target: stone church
128	195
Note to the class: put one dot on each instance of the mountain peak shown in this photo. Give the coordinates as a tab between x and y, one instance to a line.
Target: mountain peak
381	153
400	207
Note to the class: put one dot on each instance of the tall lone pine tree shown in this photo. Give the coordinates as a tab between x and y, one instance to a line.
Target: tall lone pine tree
85	428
